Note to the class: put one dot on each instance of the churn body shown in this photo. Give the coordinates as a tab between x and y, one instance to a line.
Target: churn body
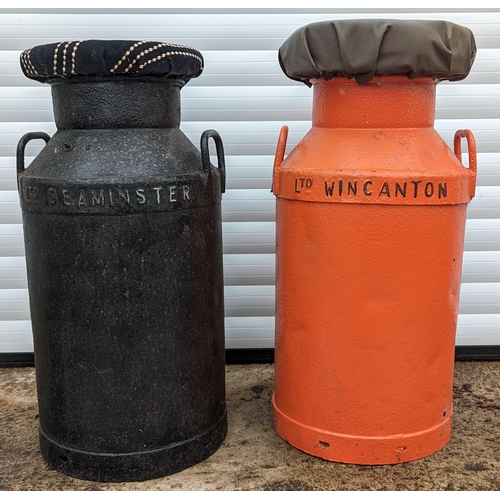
122	226
370	214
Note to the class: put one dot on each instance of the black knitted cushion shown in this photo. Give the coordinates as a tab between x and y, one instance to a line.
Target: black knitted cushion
111	57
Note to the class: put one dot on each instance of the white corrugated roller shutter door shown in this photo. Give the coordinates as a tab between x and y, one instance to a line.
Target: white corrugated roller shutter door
245	96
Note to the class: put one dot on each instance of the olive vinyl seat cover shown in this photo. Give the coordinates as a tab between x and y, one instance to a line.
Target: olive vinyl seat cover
88	58
362	49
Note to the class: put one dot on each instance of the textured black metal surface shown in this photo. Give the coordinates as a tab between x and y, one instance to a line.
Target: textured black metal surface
123	244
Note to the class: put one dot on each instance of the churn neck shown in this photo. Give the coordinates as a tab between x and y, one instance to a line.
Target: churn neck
113	102
391	101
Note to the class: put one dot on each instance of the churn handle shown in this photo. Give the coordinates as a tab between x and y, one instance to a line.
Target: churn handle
471	144
278	159
21	146
205	156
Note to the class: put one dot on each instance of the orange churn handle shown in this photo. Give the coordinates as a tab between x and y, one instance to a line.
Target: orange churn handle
471	144
278	159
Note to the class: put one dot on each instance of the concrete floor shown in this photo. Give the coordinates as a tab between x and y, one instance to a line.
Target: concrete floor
254	458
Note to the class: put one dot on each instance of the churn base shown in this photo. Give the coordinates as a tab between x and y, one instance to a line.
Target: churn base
121	467
361	450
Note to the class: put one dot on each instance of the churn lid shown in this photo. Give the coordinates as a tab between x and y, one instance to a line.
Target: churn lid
111	57
368	47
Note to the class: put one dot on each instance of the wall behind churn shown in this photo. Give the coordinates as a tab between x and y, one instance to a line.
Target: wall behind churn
244	95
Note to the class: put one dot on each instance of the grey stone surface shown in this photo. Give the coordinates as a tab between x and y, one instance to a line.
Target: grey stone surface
254	458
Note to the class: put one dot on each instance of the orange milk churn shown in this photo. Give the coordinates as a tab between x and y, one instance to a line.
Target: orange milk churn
370	220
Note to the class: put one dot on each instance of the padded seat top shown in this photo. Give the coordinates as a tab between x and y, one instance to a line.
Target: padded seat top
111	58
364	48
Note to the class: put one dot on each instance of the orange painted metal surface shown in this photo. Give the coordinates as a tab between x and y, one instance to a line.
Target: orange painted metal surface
370	215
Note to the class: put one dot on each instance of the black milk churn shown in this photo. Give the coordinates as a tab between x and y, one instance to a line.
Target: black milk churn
122	227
